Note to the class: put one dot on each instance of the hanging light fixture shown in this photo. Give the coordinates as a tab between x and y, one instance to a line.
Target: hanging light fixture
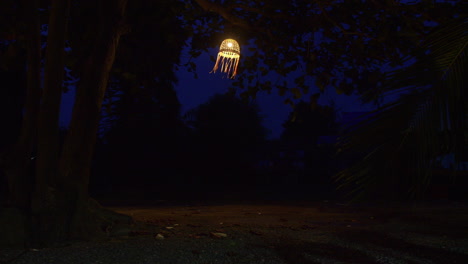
228	58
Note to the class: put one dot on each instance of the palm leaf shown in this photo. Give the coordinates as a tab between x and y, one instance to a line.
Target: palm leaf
400	142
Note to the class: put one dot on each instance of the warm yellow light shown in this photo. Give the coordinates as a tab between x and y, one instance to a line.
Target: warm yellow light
228	57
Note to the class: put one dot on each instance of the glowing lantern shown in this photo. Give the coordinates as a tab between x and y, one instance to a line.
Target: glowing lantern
228	57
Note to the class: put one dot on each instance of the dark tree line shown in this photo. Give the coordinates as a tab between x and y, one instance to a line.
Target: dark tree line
214	148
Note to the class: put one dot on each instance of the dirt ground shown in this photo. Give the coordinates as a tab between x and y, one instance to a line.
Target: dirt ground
274	233
317	232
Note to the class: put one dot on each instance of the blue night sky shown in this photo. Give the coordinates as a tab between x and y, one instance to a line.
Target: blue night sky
193	92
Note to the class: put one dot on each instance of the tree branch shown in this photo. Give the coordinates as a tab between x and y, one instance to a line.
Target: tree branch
224	12
260	11
343	31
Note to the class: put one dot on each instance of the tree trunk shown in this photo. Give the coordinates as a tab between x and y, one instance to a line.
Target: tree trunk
18	168
75	162
45	204
59	207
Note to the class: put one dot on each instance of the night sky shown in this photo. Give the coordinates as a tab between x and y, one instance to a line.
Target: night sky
192	92
195	91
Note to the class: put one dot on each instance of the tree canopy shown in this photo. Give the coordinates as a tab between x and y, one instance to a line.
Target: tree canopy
229	133
343	45
306	123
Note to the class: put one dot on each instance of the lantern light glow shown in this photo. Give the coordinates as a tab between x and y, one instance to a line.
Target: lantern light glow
228	58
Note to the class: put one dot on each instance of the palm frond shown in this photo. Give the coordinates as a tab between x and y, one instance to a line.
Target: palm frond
400	142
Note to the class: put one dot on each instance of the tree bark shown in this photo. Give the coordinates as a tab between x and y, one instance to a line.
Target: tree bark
18	161
77	153
44	199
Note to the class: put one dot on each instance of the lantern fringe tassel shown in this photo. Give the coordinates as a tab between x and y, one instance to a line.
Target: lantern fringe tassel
228	58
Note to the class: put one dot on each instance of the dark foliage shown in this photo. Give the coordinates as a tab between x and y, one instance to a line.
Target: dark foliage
229	134
402	143
141	130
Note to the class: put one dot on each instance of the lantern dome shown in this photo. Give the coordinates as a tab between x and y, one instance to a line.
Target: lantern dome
228	57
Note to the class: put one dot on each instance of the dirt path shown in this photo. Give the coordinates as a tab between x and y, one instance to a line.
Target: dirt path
282	234
319	233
